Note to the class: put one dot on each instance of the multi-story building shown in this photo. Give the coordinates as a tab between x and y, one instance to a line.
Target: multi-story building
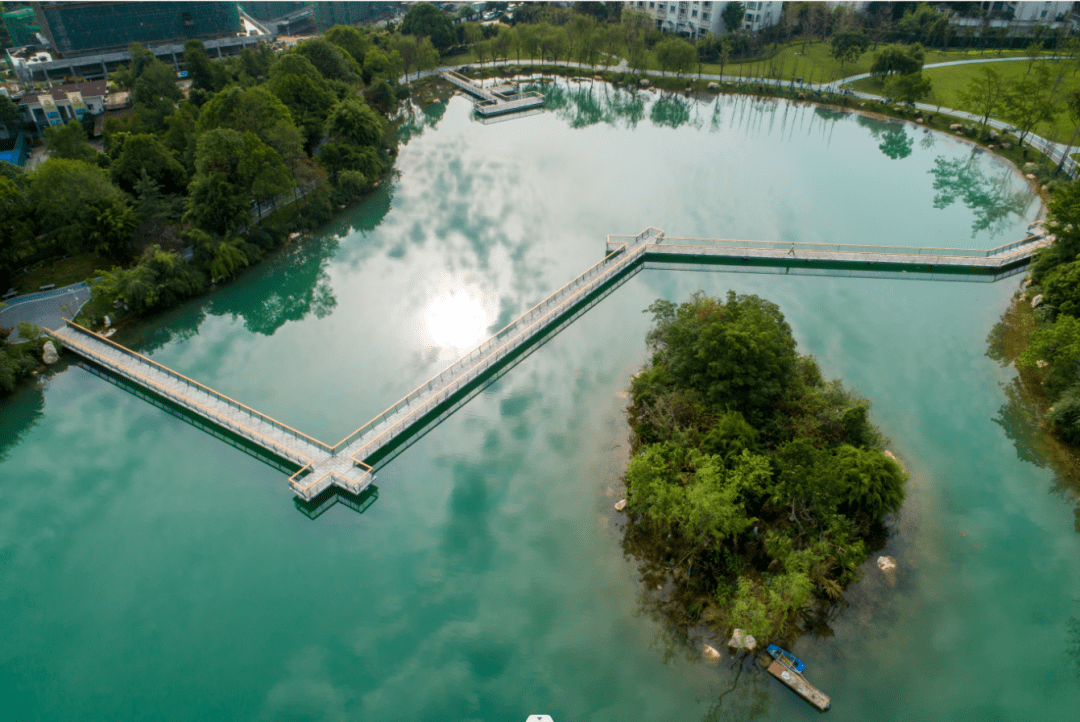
335	12
84	28
761	15
63	103
700	18
90	39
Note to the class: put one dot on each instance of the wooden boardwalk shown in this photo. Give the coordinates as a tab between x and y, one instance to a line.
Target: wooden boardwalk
348	464
491	103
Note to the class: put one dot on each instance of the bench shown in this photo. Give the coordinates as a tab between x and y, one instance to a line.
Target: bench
47	287
12	293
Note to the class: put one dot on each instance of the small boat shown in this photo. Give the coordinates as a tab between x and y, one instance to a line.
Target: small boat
786	658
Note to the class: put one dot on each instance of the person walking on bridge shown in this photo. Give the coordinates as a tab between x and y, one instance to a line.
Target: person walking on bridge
792	251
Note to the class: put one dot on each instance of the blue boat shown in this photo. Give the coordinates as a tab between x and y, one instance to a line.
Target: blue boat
786	658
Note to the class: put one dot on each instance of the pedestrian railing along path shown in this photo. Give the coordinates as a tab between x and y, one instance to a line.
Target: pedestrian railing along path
349	465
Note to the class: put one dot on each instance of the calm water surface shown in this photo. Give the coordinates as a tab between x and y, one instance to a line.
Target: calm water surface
150	571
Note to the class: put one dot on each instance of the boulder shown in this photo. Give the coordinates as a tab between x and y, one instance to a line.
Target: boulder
108	322
620	505
644	82
991	147
1030	176
994	135
49	355
1029	164
710	655
1037	301
741	640
1007	146
918	120
713	86
893	457
955	126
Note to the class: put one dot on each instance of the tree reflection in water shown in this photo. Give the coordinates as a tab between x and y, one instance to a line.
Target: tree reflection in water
896	144
988	198
23	410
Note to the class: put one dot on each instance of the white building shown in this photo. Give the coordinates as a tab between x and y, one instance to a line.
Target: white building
761	15
700	18
1039	12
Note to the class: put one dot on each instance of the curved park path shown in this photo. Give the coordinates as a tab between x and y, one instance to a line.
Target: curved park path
1054	151
47	309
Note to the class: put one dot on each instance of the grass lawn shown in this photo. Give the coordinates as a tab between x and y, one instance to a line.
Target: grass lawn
62	273
949	82
815	64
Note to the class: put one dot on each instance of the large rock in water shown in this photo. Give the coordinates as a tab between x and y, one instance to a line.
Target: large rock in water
710	655
888	566
741	640
49	355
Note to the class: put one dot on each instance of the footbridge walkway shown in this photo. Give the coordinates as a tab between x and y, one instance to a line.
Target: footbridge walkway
349	465
493	102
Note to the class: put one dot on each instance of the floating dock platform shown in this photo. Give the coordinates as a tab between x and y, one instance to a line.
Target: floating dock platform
800	686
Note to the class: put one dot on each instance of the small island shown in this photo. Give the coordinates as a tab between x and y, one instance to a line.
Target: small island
755	488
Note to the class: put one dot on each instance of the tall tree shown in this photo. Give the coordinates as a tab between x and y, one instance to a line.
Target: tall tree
849	47
675	55
732	15
69	141
426	20
983	93
1030	100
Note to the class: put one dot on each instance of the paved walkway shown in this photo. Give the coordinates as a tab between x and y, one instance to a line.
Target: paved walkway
47	310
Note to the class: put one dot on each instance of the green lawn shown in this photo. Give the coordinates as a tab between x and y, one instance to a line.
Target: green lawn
813	63
62	273
949	82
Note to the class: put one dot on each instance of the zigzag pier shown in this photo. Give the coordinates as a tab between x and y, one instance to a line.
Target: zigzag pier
493	102
321	473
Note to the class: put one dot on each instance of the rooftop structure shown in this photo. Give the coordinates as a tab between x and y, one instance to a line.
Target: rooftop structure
85	28
21	26
62	103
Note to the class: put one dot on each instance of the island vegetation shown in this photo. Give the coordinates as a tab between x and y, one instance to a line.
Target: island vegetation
755	488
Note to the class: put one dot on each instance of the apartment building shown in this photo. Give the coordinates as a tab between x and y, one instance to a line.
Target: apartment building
700	18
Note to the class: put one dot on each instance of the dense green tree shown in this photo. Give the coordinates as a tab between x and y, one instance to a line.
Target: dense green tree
253	110
353	121
1061	288
303	90
9	114
732	15
427	21
351	40
983	93
849	47
67	197
898	60
17	228
341	157
379	65
145	153
1057	346
908	88
738	354
161	279
69	141
330	60
205	74
675	55
1029	100
1063	216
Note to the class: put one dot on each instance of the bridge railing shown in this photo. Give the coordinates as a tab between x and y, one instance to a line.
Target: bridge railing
466	368
190	383
1001	250
848	248
539	316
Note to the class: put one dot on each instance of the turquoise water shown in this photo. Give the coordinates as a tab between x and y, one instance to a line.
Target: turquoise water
148	571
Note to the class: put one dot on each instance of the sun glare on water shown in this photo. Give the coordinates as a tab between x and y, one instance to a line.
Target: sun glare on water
456	320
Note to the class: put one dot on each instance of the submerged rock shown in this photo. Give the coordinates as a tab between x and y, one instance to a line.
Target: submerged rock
710	655
888	567
49	355
620	505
